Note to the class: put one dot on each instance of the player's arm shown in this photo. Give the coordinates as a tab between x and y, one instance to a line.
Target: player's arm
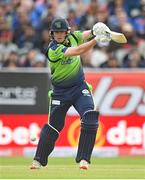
74	51
99	35
100	29
87	34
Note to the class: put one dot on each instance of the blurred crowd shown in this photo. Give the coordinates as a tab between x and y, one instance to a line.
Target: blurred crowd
25	24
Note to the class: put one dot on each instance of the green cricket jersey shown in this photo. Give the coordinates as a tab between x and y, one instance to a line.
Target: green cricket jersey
65	71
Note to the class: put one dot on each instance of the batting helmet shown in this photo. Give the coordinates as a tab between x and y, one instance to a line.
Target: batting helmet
59	24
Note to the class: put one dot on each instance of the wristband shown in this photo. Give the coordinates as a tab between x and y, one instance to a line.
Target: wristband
92	33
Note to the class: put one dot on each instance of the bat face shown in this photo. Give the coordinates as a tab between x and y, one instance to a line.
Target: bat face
118	37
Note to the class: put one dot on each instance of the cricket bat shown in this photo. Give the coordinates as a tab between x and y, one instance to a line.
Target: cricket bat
100	27
117	37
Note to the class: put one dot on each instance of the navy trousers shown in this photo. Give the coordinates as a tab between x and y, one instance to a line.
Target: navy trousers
62	98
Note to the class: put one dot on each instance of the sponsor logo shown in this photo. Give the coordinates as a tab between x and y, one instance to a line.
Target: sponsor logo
55	102
58	25
123	135
86	92
68	61
119	135
74	133
119	100
18	95
21	135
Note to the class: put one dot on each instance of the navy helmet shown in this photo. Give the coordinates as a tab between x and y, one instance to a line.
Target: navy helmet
59	24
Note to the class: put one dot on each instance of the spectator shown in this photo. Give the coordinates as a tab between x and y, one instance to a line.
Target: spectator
88	18
132	42
29	39
133	60
11	61
112	62
9	12
45	38
139	21
102	14
113	5
94	58
47	19
20	22
38	11
3	20
117	20
24	26
73	20
141	47
65	6
130	5
132	39
40	60
6	44
30	58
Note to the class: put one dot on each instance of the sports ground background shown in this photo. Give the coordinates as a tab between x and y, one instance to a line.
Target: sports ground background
119	151
118	90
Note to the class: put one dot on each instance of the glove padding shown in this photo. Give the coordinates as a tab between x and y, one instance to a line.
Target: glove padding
103	37
100	28
101	31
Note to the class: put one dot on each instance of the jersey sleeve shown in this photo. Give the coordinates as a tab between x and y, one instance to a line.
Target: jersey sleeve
79	36
55	53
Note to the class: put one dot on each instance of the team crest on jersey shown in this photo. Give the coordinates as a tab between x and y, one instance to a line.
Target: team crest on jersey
69	61
86	92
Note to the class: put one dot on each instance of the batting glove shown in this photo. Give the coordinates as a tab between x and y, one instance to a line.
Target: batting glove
100	28
101	32
103	37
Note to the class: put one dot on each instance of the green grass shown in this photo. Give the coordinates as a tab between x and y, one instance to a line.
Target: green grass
65	168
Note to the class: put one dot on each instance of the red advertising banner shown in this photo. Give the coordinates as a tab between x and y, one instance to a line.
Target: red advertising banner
119	93
120	98
124	133
16	131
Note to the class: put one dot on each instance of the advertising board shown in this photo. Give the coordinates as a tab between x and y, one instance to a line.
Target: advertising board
120	98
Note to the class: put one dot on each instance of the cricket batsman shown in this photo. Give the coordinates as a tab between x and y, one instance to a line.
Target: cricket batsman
70	89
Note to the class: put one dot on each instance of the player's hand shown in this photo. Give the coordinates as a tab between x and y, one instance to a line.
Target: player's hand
100	28
104	37
101	32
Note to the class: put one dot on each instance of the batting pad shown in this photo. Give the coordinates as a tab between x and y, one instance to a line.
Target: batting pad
46	144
